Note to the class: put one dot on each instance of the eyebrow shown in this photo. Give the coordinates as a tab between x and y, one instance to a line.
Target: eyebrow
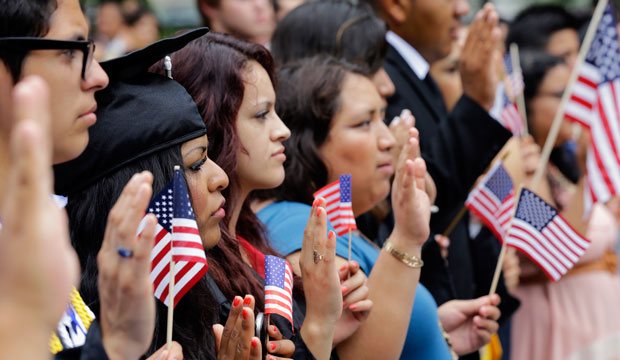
201	148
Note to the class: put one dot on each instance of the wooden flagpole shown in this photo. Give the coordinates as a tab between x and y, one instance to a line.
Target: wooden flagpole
171	289
519	98
170	306
559	115
461	212
349	258
502	253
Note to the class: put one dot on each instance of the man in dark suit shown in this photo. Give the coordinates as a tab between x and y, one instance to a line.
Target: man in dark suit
457	146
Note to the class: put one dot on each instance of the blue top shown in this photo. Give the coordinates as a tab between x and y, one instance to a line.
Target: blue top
285	222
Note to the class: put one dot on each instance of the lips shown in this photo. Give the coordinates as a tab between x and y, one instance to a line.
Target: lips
280	151
91	111
219	212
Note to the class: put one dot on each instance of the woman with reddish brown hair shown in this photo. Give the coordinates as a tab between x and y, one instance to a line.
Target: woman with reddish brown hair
232	83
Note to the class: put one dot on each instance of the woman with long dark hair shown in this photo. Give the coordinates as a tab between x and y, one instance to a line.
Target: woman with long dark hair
337	127
232	84
165	130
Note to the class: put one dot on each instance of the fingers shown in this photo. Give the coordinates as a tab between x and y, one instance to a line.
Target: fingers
419	173
256	351
348	270
175	352
285	348
218	331
226	332
485	324
274	332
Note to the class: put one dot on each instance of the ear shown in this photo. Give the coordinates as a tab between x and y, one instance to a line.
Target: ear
395	11
207	10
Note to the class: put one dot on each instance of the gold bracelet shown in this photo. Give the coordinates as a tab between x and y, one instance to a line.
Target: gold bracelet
409	260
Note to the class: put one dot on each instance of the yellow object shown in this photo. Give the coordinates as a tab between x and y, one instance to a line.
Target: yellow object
77	306
492	350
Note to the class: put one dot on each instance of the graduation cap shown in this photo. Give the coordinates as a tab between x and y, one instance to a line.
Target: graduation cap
138	114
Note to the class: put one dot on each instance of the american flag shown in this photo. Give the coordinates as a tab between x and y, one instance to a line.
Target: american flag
510	115
346	219
331	194
544	236
278	287
515	78
177	235
594	103
493	200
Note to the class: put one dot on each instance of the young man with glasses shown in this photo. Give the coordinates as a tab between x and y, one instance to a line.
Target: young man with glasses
48	38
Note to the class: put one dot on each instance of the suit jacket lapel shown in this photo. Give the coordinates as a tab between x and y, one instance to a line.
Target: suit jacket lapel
416	83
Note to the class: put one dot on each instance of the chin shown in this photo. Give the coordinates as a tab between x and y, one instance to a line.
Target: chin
211	238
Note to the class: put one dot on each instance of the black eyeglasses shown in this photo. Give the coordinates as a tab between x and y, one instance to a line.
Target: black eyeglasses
87	47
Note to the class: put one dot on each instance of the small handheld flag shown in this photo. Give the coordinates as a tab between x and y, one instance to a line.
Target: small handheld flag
346	220
493	200
337	196
176	225
595	104
278	287
510	115
331	194
542	234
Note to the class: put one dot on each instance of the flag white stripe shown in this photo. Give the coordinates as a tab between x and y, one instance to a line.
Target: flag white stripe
535	242
526	248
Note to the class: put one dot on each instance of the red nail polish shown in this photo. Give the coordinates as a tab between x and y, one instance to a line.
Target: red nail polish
236	301
274	328
344	289
319	211
245	314
247	300
343	267
273	346
315	202
254	343
352	307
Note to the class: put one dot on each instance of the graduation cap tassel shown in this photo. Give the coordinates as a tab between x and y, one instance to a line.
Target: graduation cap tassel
168	66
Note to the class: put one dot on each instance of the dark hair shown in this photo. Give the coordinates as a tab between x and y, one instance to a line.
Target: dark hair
533	26
88	211
535	65
211	69
332	27
307	111
22	18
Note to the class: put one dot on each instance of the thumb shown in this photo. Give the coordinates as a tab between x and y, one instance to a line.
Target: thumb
218	329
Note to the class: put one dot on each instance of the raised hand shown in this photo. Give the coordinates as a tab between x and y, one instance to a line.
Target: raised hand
410	202
127	304
236	340
479	53
322	289
356	305
38	266
470	323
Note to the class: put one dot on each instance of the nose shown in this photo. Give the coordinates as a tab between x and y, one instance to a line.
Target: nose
280	131
218	180
386	140
384	84
461	8
95	78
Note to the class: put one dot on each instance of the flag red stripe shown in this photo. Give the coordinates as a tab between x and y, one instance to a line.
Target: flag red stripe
185	229
534	249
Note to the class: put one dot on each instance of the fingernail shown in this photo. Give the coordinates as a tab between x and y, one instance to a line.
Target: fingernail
274	328
273	345
245	313
254	342
247	300
319	211
236	301
344	289
343	268
396	120
331	234
352	307
355	263
314	203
